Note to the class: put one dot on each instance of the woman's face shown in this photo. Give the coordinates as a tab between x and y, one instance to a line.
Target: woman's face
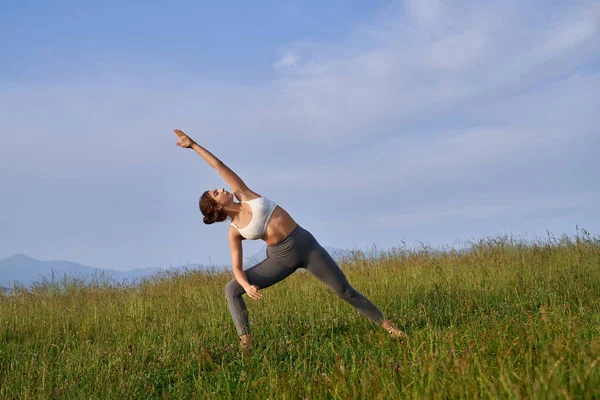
221	196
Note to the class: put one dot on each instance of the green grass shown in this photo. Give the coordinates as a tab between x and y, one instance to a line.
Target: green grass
503	319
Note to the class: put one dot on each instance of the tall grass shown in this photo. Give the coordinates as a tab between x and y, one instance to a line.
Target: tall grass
502	318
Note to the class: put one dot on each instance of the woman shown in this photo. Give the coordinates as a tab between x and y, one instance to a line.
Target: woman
289	247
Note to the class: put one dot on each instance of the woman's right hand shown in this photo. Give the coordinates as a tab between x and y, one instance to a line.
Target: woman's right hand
184	140
253	293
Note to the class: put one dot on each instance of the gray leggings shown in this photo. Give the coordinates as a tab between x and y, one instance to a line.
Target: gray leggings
299	249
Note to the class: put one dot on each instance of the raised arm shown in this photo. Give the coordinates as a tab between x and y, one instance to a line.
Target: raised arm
238	187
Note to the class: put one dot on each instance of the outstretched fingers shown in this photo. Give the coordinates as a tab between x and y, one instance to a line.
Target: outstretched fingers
179	133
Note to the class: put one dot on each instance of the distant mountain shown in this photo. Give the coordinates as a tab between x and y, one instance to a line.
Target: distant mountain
26	270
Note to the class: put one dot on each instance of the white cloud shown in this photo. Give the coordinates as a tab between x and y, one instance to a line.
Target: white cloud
438	215
289	59
455	56
459	51
403	67
425	12
573	32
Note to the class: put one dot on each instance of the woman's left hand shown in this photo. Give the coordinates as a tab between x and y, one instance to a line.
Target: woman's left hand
184	140
253	293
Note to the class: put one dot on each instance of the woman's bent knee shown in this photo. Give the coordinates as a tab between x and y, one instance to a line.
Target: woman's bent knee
233	288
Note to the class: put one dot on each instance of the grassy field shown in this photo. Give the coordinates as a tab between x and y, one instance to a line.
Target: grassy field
501	319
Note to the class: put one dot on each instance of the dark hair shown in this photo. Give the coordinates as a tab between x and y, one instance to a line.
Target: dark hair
208	207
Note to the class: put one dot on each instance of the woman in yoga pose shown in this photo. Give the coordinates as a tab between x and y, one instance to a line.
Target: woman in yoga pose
289	247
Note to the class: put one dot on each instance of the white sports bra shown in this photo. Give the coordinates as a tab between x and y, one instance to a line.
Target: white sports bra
262	208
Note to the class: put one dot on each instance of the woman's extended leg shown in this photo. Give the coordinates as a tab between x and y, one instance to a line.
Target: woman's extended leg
324	267
264	274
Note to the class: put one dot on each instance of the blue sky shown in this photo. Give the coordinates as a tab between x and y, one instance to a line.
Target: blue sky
372	123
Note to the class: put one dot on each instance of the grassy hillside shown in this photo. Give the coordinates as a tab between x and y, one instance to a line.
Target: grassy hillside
502	319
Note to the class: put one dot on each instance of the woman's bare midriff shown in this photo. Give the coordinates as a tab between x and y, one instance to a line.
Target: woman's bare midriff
280	225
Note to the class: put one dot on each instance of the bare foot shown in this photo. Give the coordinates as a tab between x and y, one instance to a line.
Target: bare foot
393	330
245	342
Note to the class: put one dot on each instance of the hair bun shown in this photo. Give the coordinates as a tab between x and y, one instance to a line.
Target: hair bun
208	207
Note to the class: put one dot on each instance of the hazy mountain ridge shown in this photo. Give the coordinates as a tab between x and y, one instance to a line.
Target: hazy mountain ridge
26	270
